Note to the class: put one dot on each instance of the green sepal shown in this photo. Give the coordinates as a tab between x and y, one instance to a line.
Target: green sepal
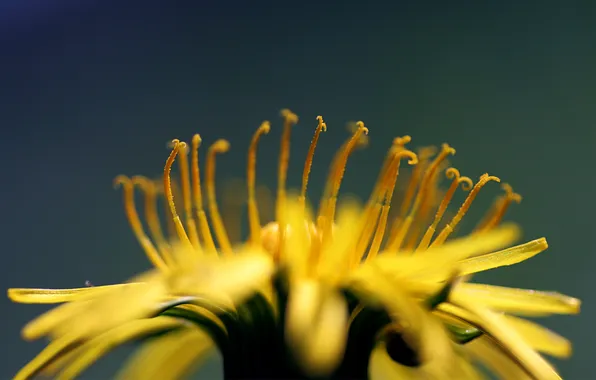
442	295
363	335
227	317
219	336
463	335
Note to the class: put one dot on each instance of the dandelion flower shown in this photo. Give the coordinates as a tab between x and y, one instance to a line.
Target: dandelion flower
380	290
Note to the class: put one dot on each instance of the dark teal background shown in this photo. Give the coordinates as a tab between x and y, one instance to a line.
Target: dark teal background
92	89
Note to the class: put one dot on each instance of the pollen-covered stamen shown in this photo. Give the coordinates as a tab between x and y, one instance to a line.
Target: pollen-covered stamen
167	185
150	191
253	211
198	197
382	225
448	229
375	200
191	226
322	127
422	197
496	213
329	200
424	155
457	180
135	222
425	214
220	146
290	119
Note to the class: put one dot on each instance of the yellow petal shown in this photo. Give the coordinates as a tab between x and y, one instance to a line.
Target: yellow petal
236	276
420	329
46	356
97	347
436	264
316	327
505	257
49	296
170	357
518	301
110	309
339	254
382	367
43	324
297	240
496	327
541	338
487	352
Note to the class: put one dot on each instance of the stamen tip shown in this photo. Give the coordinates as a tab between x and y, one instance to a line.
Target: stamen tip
173	144
265	127
196	140
120	180
221	146
289	116
322	123
448	149
401	141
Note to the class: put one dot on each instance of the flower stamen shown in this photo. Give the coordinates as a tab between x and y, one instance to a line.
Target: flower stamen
167	184
191	226
496	213
421	198
149	189
390	187
290	119
322	127
198	197
374	203
448	229
329	199
220	146
457	180
135	222
253	211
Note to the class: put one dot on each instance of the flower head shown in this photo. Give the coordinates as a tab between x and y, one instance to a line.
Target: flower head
378	290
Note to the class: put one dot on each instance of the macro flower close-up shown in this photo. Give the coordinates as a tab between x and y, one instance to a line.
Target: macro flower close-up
329	288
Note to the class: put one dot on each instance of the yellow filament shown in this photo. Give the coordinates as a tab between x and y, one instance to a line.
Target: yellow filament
187	203
466	185
167	185
499	209
424	154
253	211
448	229
290	119
381	227
421	197
322	127
328	203
220	146
170	227
425	213
373	205
148	187
135	222
198	197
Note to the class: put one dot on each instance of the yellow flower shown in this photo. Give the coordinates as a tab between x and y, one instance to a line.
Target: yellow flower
347	291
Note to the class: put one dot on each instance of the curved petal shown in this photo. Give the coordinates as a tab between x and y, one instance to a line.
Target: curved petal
517	301
50	296
168	357
505	336
95	348
316	326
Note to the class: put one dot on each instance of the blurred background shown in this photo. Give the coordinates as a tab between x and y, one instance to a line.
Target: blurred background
91	89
